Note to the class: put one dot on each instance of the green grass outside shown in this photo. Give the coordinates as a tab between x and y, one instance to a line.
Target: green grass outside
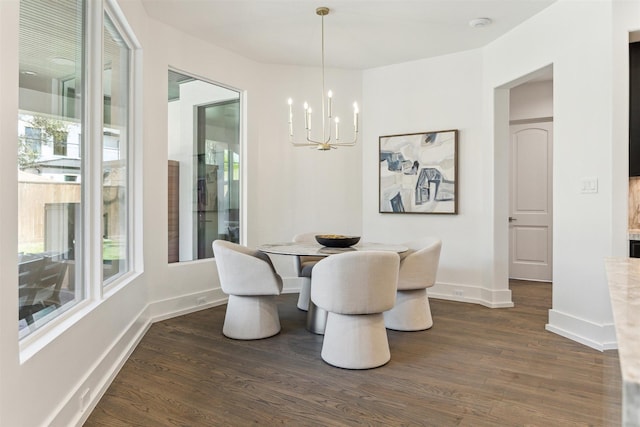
112	249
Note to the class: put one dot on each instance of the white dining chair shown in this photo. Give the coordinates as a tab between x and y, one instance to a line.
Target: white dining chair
251	281
418	269
355	288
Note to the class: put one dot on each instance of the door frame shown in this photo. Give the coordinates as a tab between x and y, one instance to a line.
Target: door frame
501	162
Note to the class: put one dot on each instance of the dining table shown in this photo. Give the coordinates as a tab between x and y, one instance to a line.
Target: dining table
316	316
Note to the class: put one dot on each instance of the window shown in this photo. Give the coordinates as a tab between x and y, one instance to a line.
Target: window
60	144
29	147
33	139
55	147
204	166
115	176
50	223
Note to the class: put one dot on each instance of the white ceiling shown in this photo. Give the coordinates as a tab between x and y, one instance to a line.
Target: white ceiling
359	34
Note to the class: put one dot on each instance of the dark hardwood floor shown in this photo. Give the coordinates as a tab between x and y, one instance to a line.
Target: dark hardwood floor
476	367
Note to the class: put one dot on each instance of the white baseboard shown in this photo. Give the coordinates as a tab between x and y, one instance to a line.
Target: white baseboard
104	371
99	378
185	304
492	298
291	285
598	336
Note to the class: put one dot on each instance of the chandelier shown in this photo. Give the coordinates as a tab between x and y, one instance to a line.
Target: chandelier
328	140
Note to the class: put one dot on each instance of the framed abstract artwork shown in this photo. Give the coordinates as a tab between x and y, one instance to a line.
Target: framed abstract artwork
419	173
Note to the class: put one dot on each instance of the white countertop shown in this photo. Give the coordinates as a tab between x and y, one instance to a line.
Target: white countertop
624	288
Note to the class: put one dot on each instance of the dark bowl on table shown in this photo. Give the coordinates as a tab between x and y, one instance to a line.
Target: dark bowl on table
337	241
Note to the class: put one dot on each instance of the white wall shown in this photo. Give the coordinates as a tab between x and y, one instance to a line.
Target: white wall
531	101
303	189
582	148
10	407
287	190
300	189
290	190
43	377
469	91
430	95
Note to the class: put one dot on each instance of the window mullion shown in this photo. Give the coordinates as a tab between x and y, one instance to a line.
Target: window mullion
93	149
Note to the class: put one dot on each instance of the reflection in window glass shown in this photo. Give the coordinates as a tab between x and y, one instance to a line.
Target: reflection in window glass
49	160
115	175
204	165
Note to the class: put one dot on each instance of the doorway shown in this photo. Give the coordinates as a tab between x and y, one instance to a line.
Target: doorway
531	179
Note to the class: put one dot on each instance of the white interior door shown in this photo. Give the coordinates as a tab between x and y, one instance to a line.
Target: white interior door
530	220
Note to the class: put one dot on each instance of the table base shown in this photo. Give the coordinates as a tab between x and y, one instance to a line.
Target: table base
316	319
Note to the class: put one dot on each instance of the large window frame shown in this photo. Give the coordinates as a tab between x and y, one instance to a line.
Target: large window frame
117	22
194	245
95	289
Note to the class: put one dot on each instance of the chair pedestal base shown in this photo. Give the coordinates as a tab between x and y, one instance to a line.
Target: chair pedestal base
411	311
355	341
251	317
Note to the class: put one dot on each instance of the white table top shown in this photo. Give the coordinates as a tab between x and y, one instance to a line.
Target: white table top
315	249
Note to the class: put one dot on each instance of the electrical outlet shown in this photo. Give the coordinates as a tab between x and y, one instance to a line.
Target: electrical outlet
201	300
84	399
457	292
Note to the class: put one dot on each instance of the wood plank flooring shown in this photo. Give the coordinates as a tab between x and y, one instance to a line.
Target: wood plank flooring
476	367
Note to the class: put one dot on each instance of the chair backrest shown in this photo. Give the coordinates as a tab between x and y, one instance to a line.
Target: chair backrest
29	271
306	237
28	277
245	271
419	266
359	282
51	279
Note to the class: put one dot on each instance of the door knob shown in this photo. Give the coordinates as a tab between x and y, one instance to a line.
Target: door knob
511	219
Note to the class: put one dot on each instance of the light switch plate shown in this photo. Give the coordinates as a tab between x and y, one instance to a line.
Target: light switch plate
589	185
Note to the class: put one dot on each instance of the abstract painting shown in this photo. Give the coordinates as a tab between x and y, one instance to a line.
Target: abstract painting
418	173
